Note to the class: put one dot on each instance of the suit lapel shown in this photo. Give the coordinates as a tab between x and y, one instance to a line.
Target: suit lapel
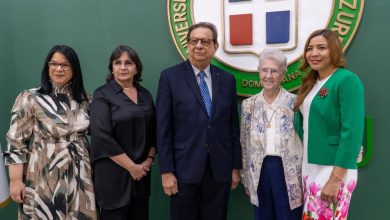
215	81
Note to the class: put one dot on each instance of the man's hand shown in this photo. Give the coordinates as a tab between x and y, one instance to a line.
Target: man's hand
235	179
169	183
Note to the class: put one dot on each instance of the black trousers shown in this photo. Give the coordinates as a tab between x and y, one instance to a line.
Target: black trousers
137	209
207	200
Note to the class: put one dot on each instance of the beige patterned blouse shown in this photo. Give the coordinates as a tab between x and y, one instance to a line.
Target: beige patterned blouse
47	134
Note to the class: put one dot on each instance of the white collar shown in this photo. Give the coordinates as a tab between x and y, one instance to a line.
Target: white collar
206	71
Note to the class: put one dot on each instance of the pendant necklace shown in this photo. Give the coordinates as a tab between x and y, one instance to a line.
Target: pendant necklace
268	121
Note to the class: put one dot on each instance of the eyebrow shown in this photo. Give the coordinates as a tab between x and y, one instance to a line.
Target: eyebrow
124	60
325	44
59	62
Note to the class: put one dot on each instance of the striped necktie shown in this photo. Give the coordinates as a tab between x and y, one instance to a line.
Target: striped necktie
204	91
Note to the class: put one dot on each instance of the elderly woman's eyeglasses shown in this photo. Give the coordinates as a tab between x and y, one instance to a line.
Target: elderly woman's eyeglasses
272	71
53	65
193	41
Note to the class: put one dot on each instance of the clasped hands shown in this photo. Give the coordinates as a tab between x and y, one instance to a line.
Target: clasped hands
138	171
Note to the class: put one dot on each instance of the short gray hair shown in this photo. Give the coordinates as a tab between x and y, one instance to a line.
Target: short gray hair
276	55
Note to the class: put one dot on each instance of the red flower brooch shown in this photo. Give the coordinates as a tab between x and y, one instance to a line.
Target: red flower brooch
322	93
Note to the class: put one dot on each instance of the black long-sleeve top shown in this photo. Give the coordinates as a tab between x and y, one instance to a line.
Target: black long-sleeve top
118	125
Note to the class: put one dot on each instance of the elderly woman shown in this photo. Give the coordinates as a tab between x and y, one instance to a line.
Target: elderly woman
271	149
48	159
123	139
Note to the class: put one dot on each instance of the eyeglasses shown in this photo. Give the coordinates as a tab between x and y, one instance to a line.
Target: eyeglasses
53	65
119	63
193	41
272	71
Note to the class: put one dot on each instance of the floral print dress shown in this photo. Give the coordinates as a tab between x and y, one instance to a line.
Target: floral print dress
315	176
47	135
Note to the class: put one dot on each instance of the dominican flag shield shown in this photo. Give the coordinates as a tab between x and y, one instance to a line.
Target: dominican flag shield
4	190
252	25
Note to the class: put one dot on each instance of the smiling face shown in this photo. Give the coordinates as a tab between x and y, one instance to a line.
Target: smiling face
270	75
201	47
124	70
318	55
60	70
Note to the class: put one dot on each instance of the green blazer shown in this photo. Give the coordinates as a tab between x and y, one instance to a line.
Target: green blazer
336	122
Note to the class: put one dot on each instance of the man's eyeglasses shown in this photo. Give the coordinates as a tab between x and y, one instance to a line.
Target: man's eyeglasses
54	65
272	71
193	41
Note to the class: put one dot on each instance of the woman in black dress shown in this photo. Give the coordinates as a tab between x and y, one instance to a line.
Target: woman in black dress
122	139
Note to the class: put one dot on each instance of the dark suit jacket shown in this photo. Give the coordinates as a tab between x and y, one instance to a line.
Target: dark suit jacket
186	135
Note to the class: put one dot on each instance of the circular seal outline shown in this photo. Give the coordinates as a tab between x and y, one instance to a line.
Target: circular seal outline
344	19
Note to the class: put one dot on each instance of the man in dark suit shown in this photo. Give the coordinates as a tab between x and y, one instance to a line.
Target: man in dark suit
197	131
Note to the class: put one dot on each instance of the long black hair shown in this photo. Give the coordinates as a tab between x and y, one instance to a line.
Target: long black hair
116	53
77	86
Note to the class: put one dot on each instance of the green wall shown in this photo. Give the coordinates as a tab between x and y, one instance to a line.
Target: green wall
29	28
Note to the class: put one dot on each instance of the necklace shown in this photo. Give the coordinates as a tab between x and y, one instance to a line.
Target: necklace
268	121
128	88
61	88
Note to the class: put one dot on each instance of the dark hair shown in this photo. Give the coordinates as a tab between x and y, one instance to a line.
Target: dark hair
77	86
208	25
116	53
336	58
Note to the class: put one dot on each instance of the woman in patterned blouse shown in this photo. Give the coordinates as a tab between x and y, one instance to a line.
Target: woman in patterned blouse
49	166
271	149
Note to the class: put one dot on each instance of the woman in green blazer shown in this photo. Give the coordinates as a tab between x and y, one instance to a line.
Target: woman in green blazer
330	120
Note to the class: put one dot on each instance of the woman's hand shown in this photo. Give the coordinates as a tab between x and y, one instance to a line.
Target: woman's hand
247	192
137	171
235	179
16	185
17	190
147	164
331	189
